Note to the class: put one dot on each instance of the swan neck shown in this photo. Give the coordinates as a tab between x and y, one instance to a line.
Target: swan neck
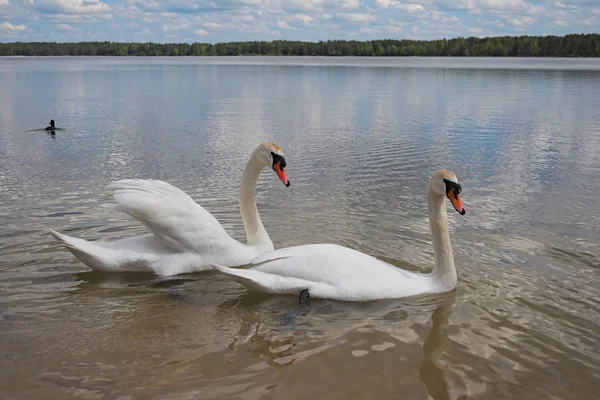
444	272
256	235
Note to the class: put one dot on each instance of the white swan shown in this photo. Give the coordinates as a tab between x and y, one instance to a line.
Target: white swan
184	236
336	272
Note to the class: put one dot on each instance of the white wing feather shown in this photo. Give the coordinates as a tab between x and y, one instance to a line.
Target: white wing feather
170	215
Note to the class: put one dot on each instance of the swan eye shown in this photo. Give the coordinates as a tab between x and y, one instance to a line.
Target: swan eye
277	158
452	185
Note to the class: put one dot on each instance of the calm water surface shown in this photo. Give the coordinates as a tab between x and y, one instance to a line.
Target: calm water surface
361	138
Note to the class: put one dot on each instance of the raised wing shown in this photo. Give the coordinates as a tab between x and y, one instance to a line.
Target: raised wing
169	214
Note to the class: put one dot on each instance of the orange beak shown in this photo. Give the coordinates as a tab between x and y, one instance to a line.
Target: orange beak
281	173
455	200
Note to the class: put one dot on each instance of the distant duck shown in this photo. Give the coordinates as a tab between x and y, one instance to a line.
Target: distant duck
51	127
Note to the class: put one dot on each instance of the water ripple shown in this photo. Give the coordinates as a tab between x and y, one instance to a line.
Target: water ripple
361	144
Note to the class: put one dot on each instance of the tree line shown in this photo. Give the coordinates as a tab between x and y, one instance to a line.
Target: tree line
575	45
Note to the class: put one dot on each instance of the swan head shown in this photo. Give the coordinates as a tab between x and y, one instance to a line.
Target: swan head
271	155
445	183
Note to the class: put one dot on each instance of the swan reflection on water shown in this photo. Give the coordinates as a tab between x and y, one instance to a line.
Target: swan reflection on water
283	342
206	320
432	374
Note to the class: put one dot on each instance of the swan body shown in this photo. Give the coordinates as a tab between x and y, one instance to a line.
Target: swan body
184	237
336	272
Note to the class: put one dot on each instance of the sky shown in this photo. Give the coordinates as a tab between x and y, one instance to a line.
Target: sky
167	21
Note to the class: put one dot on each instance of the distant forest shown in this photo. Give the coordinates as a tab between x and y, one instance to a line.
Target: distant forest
507	46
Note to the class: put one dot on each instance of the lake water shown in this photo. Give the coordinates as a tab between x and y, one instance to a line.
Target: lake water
361	138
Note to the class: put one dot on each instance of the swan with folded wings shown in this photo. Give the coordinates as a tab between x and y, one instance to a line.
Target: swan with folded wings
184	237
339	273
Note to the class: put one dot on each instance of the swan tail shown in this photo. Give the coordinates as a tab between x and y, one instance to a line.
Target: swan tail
102	258
265	282
86	252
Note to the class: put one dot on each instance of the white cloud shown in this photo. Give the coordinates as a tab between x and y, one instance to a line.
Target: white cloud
384	3
503	4
588	21
520	21
176	25
393	28
291	21
283	25
97	35
242	18
439	16
214	25
356	17
307	20
479	5
193	6
350	4
410	7
304	5
537	10
368	30
222	25
7	27
6	8
65	28
497	23
8	30
79	18
314	5
300	19
227	20
71	6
